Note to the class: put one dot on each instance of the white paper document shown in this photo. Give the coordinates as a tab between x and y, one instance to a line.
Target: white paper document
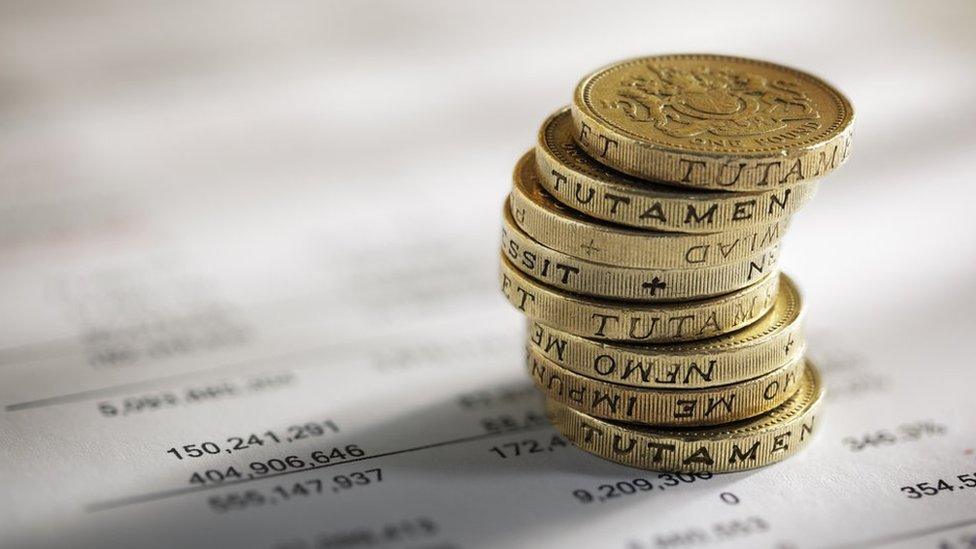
249	293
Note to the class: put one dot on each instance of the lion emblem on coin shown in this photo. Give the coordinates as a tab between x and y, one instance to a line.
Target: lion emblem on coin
721	102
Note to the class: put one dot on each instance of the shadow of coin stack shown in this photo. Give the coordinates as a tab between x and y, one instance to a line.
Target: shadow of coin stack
641	239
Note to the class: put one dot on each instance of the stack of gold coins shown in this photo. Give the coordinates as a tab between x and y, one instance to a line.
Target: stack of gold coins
641	240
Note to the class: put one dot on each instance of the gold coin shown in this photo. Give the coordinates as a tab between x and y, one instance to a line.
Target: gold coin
746	444
768	344
638	322
596	279
561	228
580	182
665	407
712	121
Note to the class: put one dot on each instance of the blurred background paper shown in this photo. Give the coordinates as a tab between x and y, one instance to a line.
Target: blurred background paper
225	218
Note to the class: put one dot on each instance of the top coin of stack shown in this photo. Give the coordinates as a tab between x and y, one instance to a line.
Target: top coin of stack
641	239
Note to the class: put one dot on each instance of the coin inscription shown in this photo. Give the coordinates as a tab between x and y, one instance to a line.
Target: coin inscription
768	344
666	407
577	180
586	277
561	228
738	446
634	321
